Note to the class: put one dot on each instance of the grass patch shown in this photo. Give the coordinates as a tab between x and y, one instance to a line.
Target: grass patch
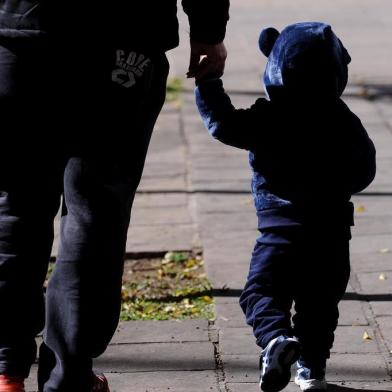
174	287
174	88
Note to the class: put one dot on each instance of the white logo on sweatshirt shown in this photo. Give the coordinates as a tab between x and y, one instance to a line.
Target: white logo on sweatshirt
131	66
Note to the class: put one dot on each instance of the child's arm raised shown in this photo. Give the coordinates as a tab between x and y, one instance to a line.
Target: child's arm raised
235	127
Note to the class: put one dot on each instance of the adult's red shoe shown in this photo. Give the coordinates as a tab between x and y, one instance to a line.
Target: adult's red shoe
11	384
100	384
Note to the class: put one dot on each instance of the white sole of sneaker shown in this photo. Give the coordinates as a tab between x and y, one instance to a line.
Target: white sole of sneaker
312	384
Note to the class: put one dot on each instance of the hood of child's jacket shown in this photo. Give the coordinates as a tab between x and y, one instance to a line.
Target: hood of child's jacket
307	59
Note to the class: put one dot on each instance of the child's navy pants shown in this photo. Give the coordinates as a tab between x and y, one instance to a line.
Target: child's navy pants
308	268
75	124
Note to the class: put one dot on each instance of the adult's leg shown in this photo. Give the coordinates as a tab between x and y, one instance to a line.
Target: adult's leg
30	189
100	181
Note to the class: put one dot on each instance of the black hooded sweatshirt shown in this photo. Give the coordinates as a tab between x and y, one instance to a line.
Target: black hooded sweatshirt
149	23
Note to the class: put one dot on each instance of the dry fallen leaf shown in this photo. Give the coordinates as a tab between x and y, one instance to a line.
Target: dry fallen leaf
207	299
366	336
360	209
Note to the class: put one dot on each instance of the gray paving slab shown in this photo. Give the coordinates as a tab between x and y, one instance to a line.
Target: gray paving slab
164	381
223	277
160	200
237	221
230	315
165	215
369	225
161	238
203	185
241	368
229	246
376	261
385	325
382	307
243	387
351	313
169	179
376	282
372	206
337	387
128	358
161	331
212	174
350	386
350	340
382	181
366	111
227	295
384	107
341	367
226	203
237	341
149	381
371	244
357	367
31	382
381	137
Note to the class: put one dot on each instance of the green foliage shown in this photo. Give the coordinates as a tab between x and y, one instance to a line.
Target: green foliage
175	287
174	89
144	309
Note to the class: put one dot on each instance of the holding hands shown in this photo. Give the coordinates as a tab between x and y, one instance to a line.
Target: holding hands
206	59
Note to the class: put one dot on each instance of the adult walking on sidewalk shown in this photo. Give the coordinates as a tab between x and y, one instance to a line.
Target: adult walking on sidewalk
80	89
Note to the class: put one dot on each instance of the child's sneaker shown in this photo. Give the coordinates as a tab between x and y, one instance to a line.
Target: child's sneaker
275	363
310	378
11	384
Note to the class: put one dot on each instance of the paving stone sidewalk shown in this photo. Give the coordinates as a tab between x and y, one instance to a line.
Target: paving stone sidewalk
195	194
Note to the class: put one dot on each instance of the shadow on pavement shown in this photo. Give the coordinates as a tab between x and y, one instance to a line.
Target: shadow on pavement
234	293
340	388
367	297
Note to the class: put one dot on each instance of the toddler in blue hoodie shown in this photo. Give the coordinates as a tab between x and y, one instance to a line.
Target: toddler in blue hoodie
308	153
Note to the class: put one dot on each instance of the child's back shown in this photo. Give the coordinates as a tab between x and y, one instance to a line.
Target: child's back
309	153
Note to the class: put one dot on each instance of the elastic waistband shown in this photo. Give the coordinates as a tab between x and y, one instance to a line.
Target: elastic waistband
289	216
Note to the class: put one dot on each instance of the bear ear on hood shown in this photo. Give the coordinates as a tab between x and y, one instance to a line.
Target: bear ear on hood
267	40
329	33
347	57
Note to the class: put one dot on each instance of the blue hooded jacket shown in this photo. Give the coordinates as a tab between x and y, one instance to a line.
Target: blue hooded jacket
306	59
308	152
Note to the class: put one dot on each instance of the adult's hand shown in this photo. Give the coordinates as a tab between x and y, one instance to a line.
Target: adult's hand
206	59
